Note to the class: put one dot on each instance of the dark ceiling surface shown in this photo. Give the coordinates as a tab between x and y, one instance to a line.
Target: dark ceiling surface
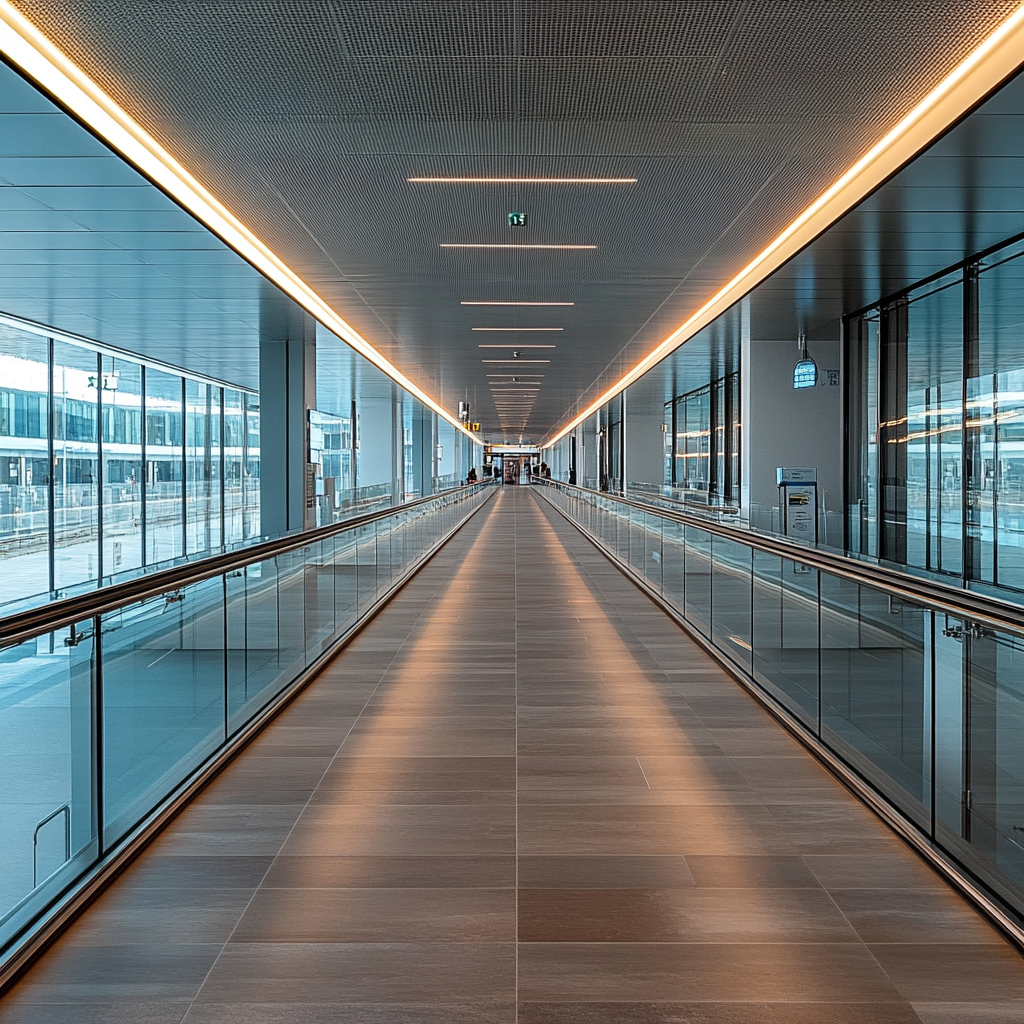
306	117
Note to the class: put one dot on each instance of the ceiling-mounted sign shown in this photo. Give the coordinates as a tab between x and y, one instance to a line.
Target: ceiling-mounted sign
517	220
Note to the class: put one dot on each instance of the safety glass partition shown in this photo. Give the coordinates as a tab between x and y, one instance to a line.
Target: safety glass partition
102	722
76	466
926	708
165	449
24	464
203	468
163	708
47	795
731	599
123	500
652	544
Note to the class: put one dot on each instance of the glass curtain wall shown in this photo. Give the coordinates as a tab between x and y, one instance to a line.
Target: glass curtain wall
146	465
935	425
703	463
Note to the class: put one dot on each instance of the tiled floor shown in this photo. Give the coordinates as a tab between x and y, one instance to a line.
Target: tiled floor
523	794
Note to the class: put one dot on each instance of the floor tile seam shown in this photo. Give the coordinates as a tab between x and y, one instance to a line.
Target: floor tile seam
308	801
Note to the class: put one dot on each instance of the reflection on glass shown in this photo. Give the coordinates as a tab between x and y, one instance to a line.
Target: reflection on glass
122	465
76	394
202	467
24	465
995	410
933	433
164	452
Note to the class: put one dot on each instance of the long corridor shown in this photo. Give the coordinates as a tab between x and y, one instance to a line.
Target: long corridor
522	794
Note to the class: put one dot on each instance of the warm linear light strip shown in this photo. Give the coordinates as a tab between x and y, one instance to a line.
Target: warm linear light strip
517	303
521	181
508	245
30	51
987	67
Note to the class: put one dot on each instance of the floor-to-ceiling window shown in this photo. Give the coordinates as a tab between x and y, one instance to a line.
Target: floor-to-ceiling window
108	464
935	424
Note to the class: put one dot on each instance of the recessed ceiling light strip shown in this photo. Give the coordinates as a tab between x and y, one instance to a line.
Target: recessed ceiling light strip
520	181
987	67
30	51
508	245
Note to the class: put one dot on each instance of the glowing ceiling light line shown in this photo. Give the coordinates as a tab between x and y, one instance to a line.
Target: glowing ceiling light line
987	67
496	303
466	180
30	51
507	245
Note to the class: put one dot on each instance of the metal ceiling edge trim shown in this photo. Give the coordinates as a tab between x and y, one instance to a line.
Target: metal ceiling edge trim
29	50
975	78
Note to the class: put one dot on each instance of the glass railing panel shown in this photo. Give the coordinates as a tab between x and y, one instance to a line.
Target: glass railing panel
346	604
785	633
382	528
652	545
731	599
319	597
673	557
291	611
47	746
697	583
366	566
876	690
162	698
989	835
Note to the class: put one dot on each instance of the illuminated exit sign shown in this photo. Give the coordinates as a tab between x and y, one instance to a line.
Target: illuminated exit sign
517	220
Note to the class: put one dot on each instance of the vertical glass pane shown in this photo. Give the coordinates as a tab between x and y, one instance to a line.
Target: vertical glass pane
255	666
698	579
996	417
234	466
76	377
163	697
862	482
990	841
933	434
202	467
653	525
785	633
24	465
122	465
319	597
47	829
251	461
164	452
876	692
730	594
672	561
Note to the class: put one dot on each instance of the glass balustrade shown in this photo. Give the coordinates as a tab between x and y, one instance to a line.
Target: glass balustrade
927	709
104	719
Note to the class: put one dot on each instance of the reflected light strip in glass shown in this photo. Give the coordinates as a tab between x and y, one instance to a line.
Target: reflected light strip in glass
987	67
38	58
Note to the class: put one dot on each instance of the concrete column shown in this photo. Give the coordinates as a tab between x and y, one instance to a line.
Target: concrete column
287	393
642	421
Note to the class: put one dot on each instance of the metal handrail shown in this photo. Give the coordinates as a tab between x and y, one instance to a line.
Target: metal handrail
960	603
67	611
64	809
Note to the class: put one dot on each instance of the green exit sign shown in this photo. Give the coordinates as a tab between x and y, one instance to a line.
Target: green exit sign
517	220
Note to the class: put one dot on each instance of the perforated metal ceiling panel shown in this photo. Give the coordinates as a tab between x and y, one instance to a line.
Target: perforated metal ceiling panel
306	117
